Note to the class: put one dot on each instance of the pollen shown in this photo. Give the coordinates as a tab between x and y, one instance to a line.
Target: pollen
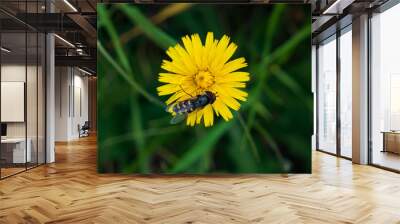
204	79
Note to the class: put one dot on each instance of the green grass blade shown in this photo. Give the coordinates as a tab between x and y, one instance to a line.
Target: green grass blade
289	45
169	12
249	137
272	25
105	19
291	84
283	50
137	133
287	80
274	146
201	147
243	159
153	32
128	78
151	132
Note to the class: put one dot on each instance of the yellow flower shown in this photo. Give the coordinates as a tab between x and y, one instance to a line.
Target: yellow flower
196	68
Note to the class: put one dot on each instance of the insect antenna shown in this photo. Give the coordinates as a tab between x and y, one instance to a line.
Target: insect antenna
185	91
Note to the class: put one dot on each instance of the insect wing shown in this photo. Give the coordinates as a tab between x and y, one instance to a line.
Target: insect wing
169	108
178	118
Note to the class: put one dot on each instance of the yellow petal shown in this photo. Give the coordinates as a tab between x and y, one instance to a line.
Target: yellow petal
209	41
187	61
233	66
187	43
222	109
208	115
199	115
233	84
221	48
191	119
235	93
170	78
230	91
228	53
172	67
224	53
167	89
230	102
197	49
177	96
211	54
188	88
233	77
177	60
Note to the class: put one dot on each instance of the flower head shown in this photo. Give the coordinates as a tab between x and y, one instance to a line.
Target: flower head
196	68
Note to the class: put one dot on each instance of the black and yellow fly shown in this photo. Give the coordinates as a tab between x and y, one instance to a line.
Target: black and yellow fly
183	108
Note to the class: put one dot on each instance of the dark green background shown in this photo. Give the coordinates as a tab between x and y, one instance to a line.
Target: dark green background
270	134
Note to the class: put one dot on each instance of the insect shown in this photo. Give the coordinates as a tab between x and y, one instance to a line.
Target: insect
183	108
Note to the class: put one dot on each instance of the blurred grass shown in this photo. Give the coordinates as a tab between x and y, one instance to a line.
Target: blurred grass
201	147
152	32
125	75
165	13
270	134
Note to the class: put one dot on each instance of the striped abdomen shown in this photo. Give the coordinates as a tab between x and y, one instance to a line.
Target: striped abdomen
185	106
191	105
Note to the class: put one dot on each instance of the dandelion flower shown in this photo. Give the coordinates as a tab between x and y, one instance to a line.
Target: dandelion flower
196	68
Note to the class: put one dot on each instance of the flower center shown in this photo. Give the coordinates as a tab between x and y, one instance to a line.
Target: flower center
204	79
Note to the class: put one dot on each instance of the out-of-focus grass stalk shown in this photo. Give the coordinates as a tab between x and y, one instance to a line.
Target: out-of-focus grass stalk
153	32
270	30
136	117
243	159
164	14
272	25
288	81
106	21
248	136
272	144
171	158
262	110
128	78
201	147
146	133
284	49
138	136
288	46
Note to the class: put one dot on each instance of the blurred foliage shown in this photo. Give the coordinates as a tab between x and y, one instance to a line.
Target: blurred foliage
272	131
